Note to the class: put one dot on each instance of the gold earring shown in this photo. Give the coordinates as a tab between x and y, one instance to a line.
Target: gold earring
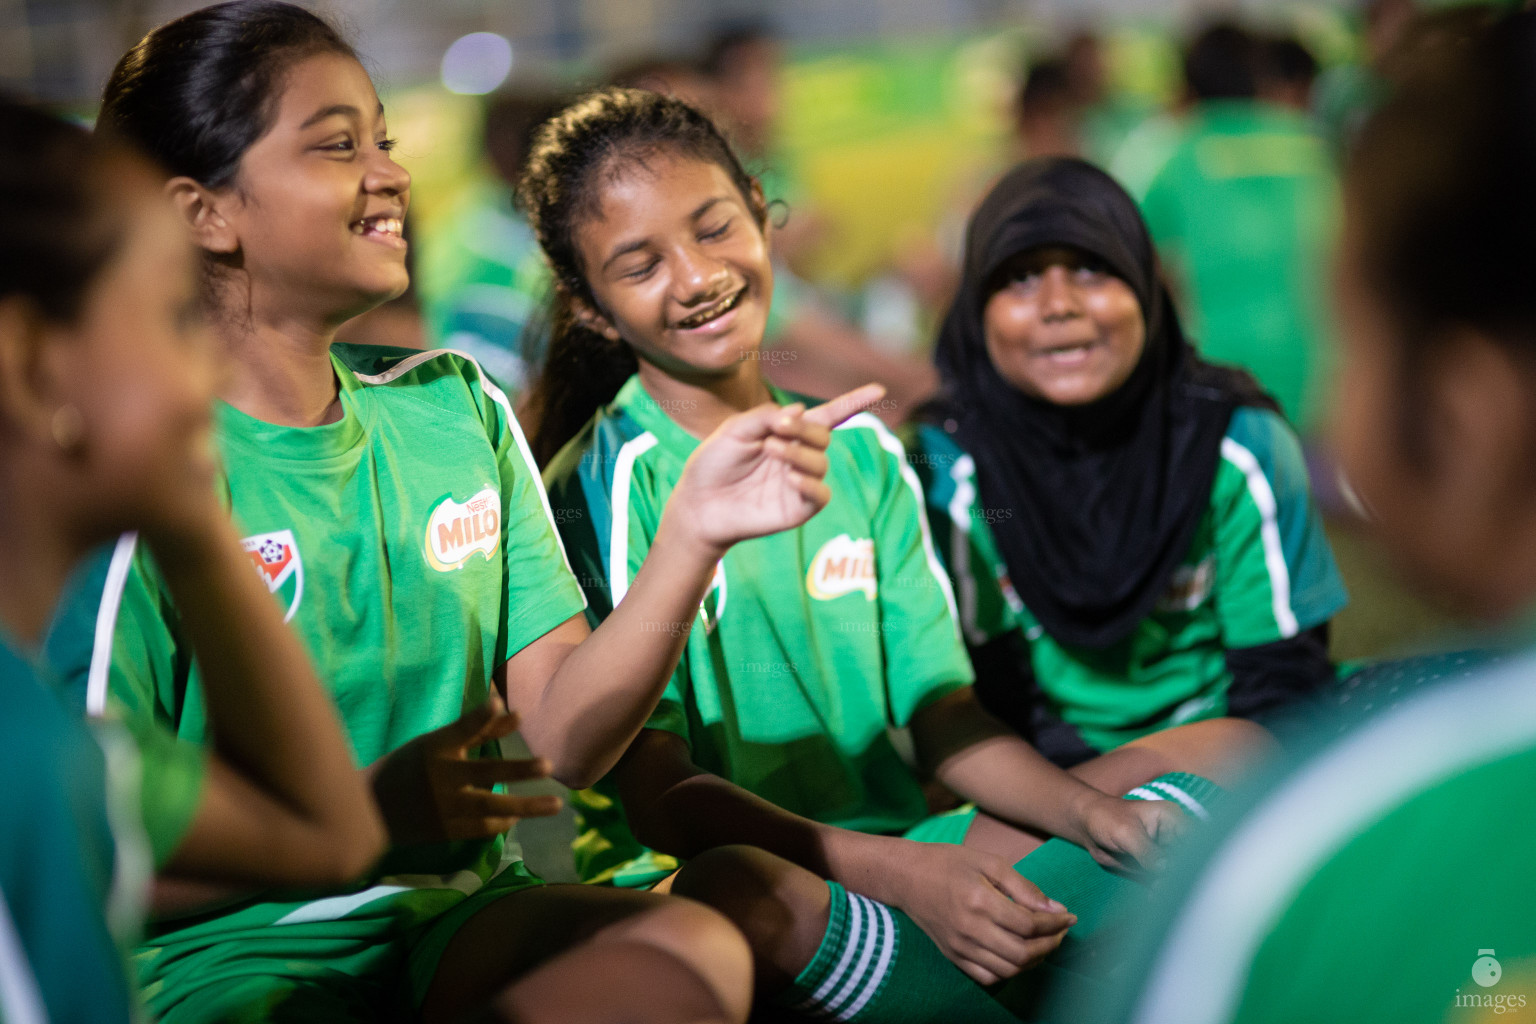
68	428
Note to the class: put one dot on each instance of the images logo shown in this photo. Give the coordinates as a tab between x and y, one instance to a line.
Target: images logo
1487	972
842	566
1485	969
276	559
455	532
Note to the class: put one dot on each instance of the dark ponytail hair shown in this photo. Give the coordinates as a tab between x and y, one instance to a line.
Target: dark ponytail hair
197	92
1440	186
58	225
572	154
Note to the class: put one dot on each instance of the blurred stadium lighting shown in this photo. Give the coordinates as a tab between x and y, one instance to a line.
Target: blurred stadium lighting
477	63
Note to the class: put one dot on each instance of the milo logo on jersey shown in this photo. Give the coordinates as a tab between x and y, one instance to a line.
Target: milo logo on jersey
276	558
455	531
842	566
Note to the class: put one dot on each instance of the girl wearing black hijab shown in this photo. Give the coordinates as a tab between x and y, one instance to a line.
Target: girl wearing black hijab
1129	528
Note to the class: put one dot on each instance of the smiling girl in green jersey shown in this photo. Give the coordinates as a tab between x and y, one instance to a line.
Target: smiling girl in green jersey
389	504
106	377
810	644
1129	528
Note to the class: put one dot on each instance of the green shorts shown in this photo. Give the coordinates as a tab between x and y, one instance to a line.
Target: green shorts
946	827
331	971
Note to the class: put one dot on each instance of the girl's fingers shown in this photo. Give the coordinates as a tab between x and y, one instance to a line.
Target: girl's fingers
804	459
763	421
803	430
463	829
813	490
1028	924
830	414
497	726
1000	942
489	721
1038	949
482	803
980	975
1167	823
1022	891
485	772
989	962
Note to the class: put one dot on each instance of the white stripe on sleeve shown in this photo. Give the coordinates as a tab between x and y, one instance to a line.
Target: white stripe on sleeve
618	542
1269	533
106	624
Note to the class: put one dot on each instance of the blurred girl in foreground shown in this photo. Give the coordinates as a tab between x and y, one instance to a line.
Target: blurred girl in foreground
1387	877
106	379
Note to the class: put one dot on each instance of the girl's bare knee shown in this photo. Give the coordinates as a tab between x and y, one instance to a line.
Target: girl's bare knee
701	938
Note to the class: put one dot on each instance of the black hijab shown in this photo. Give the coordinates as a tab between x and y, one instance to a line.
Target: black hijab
1104	498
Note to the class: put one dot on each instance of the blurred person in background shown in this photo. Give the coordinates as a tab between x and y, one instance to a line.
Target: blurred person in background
1386	875
1287	73
1108	115
1047	115
1242	210
667	75
1047	119
1346	92
482	278
810	346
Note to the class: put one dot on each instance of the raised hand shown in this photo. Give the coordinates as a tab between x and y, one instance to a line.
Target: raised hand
988	919
432	789
761	471
1129	834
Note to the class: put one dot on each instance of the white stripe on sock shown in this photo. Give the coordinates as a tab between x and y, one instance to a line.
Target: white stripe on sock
887	954
1188	802
855	928
874	938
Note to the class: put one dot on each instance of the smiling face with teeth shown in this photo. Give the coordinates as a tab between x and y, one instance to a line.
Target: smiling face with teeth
678	266
314	217
1062	328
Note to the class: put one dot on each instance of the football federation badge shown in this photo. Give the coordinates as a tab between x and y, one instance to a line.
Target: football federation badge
276	558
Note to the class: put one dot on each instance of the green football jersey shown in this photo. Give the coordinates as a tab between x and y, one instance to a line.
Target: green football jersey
811	646
1381	876
1259	570
75	862
1246	204
411	546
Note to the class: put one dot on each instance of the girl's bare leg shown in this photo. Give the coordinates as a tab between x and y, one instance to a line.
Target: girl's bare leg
576	953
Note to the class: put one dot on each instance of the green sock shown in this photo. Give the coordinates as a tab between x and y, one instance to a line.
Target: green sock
1068	874
876	965
1103	900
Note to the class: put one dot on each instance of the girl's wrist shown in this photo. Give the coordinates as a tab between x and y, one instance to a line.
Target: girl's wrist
1084	807
874	866
685	541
